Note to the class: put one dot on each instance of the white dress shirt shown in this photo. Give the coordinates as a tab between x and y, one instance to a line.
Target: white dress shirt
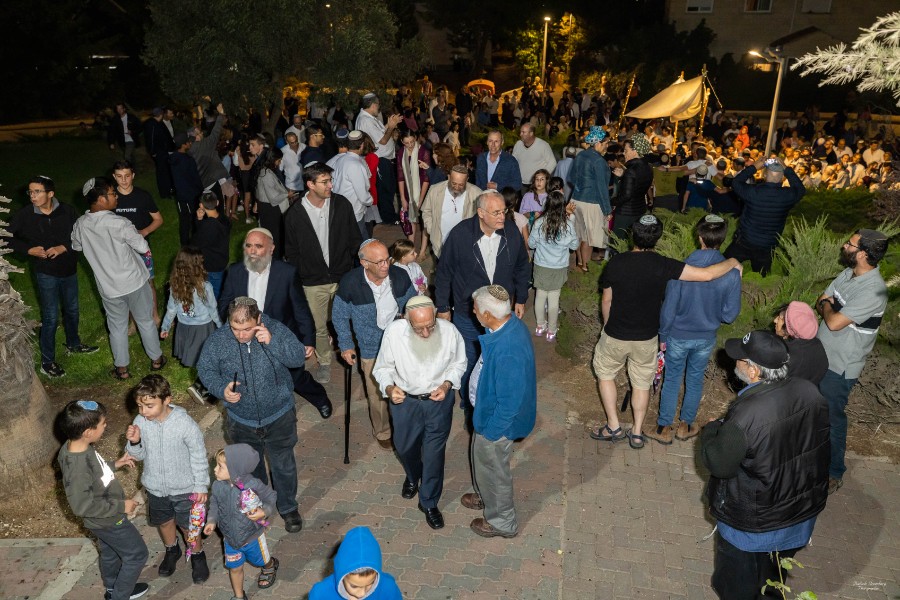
386	308
257	285
398	365
451	212
489	246
319	219
351	180
290	166
375	128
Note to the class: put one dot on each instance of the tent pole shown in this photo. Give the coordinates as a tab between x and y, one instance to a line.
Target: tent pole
705	102
625	105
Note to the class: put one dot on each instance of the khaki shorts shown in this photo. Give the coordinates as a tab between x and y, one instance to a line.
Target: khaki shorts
610	355
590	224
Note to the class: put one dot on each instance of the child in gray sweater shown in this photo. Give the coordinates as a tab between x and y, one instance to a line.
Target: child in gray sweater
176	471
97	497
239	505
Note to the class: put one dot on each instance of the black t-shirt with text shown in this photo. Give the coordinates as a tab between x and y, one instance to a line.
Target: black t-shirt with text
136	207
638	281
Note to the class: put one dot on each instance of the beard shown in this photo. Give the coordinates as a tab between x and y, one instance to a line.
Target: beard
454	193
742	376
257	264
426	350
848	259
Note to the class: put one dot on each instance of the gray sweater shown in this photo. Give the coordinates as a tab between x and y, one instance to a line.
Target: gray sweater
100	505
113	248
174	455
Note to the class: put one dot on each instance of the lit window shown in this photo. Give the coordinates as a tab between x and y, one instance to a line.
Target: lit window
699	6
758	6
816	6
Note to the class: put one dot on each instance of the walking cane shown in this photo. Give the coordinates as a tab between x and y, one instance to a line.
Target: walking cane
348	371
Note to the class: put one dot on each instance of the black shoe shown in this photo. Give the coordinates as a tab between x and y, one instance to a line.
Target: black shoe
325	410
170	560
198	392
199	568
292	521
409	489
433	517
82	349
137	591
52	369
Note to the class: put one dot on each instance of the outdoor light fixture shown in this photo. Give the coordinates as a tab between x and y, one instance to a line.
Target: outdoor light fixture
773	55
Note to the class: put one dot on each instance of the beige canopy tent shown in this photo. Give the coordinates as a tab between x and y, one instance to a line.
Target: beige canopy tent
681	100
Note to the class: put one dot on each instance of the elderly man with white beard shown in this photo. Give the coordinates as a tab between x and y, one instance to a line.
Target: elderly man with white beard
420	363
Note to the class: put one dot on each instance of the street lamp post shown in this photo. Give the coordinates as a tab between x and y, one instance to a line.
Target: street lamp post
544	54
775	56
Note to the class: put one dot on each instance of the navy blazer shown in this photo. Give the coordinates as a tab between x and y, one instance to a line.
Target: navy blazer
505	175
285	300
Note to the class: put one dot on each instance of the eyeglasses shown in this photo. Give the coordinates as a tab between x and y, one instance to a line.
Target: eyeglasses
33	193
847	243
428	328
380	263
88	405
494	213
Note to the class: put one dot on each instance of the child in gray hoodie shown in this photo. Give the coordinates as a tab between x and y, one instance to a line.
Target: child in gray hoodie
239	505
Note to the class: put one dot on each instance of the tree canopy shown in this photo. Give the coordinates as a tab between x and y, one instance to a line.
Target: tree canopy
243	53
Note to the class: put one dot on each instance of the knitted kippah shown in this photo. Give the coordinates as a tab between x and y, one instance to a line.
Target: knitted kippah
713	219
648	220
498	292
419	302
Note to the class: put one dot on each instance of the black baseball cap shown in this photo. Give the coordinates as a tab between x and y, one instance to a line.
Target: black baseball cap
762	347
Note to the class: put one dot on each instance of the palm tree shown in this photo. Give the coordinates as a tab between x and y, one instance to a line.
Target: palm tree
26	417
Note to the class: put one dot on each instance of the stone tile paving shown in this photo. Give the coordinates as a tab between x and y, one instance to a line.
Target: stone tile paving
595	521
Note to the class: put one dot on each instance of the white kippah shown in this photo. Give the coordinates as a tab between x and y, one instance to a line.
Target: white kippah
419	302
356	134
648	220
263	231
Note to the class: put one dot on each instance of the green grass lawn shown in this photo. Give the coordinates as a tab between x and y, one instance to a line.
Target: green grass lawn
70	161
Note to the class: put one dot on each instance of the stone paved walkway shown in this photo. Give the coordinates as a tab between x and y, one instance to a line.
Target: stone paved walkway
597	521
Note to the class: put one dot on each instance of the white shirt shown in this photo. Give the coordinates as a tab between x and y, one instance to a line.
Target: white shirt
489	246
386	308
476	371
870	156
128	138
300	132
290	166
351	179
712	171
531	158
452	211
375	128
319	219
168	125
257	285
397	365
492	165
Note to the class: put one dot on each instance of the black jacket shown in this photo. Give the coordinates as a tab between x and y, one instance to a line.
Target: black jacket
212	237
115	133
766	207
157	138
637	179
32	228
461	268
768	458
301	246
807	359
186	178
285	300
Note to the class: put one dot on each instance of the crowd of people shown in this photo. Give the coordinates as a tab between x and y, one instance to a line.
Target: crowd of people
315	283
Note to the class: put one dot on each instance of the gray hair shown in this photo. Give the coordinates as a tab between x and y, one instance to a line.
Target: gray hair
369	99
489	302
482	198
770	375
361	254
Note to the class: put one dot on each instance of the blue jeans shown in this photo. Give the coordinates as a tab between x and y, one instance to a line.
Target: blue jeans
685	360
215	280
276	440
54	292
836	390
469	329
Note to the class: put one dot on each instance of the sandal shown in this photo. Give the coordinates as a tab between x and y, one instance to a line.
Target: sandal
605	434
636	441
159	363
120	373
267	575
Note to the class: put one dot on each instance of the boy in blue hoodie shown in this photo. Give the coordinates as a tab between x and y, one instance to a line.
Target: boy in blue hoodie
690	316
357	572
242	521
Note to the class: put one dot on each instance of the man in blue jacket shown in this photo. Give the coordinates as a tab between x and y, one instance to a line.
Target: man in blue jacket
766	207
370	298
496	169
690	317
482	250
503	390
